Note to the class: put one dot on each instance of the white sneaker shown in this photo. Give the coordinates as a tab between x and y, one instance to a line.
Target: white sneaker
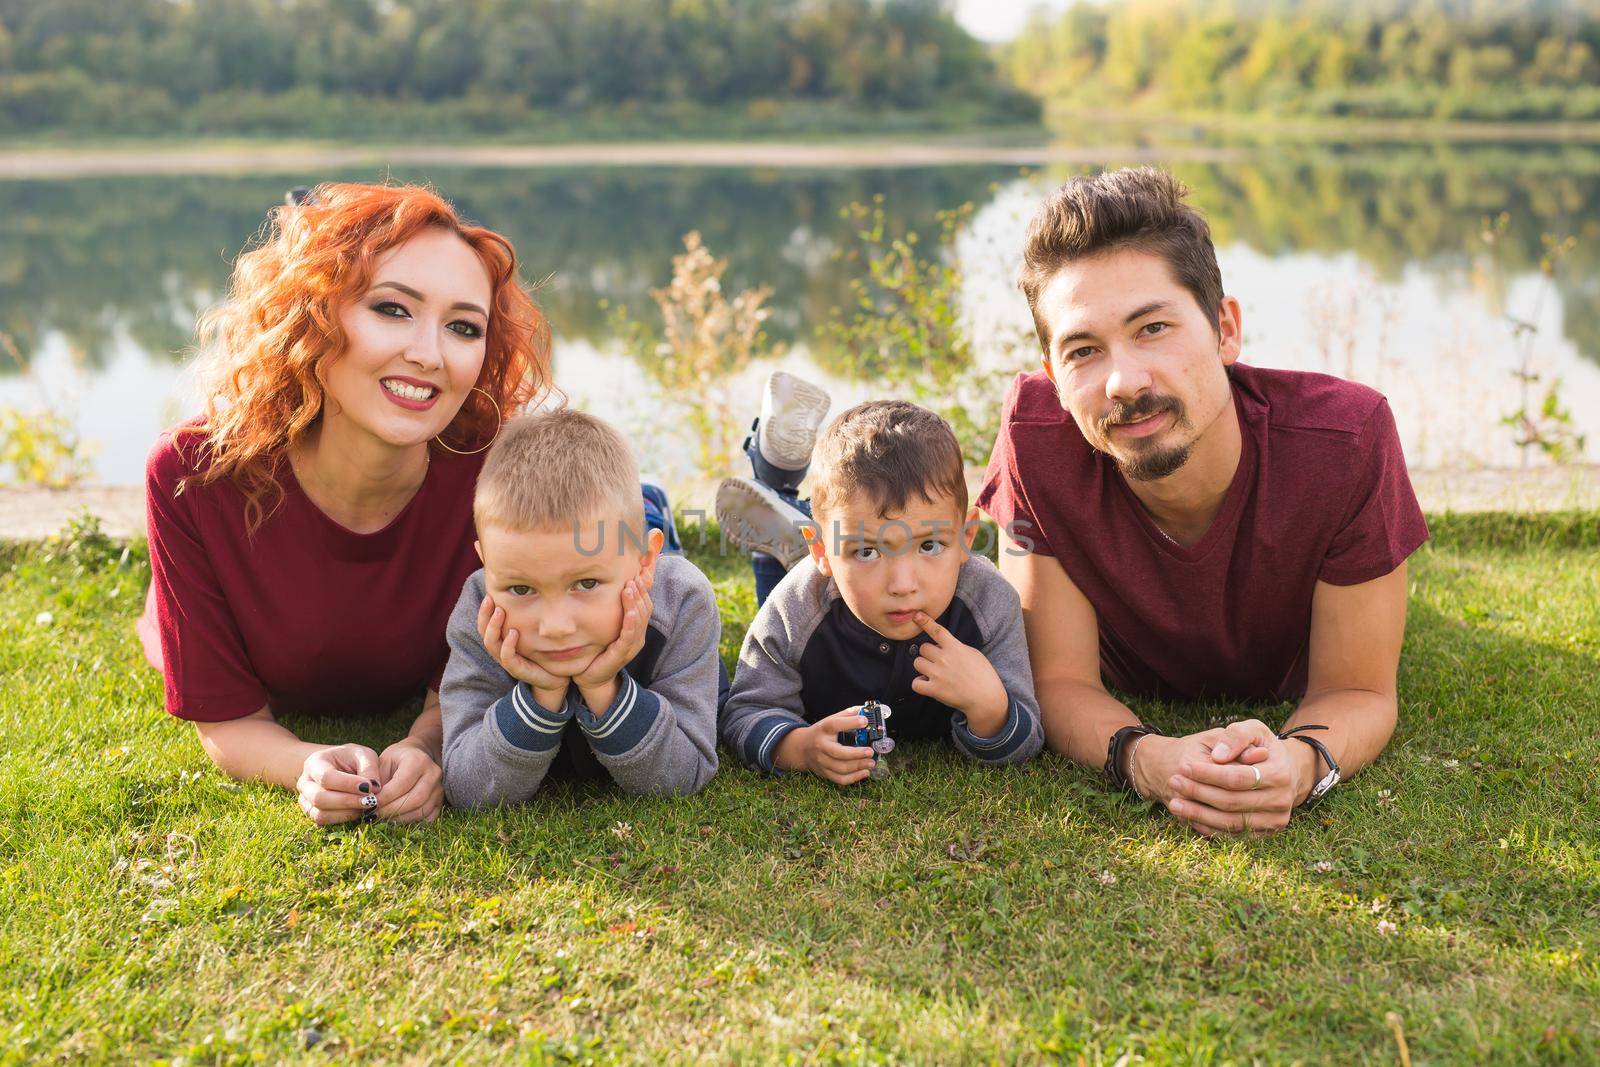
792	410
756	519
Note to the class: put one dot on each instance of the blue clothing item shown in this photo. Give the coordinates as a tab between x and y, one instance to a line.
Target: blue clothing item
786	483
780	480
768	571
658	516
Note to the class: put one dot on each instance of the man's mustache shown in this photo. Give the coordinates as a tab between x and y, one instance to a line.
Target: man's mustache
1140	408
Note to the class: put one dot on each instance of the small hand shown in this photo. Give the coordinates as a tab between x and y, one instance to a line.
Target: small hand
596	681
338	784
550	689
413	784
960	676
816	748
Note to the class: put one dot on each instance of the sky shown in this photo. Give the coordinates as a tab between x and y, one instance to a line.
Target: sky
999	20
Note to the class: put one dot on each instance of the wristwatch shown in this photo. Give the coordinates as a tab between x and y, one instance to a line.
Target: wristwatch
1113	766
1327	781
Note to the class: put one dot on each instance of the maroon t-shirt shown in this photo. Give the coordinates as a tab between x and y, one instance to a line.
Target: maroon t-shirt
1321	493
304	616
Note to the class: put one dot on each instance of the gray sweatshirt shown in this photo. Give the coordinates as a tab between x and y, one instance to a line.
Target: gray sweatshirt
658	736
807	656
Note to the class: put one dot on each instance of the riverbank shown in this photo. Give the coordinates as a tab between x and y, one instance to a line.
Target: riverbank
33	514
1080	139
222	157
1177	127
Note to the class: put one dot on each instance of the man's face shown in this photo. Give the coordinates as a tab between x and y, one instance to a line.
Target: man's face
889	567
562	597
1135	360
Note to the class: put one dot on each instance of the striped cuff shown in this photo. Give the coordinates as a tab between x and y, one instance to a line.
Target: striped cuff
761	740
626	721
525	724
1002	746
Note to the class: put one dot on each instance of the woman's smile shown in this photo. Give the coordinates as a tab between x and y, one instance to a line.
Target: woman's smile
410	393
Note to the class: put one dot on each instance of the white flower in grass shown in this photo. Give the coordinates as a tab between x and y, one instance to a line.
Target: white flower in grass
158	910
1322	866
44	618
1386	927
622	831
1452	762
1106	878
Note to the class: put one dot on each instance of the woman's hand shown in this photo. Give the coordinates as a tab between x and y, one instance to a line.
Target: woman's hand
413	784
337	784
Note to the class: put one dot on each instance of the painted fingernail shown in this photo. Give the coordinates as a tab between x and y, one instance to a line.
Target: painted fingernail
369	802
374	783
364	787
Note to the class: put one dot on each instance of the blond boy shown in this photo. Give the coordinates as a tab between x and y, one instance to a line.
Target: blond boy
579	649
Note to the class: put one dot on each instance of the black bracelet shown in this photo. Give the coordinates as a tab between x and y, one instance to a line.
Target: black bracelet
1321	787
1113	766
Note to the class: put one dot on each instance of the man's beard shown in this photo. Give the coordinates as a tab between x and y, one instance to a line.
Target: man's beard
1147	461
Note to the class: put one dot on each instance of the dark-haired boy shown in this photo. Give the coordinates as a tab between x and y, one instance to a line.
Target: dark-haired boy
890	607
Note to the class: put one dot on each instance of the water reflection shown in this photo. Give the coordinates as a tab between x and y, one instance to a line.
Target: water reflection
1363	261
88	257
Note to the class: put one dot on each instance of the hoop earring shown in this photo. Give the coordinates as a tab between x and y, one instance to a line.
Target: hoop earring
499	420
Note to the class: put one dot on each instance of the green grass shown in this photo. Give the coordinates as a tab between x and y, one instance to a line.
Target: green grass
149	908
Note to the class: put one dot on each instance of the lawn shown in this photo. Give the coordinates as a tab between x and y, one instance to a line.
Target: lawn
1444	905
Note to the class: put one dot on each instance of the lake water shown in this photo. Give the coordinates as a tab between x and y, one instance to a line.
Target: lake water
1366	262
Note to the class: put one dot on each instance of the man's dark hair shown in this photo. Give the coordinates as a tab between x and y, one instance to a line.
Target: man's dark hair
1140	208
887	450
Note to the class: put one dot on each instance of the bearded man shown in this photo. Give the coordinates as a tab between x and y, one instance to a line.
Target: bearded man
1184	527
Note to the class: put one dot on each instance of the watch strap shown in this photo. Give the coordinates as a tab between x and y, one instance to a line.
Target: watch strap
1119	740
1327	781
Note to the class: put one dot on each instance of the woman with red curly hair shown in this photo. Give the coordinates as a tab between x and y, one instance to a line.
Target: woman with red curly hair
312	529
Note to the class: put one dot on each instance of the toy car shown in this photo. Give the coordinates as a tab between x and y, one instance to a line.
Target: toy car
874	735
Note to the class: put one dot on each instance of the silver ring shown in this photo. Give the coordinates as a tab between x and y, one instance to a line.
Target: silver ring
1257	784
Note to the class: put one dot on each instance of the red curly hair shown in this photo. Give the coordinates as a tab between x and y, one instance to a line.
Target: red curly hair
268	343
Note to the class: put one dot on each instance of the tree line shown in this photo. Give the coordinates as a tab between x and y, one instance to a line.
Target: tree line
1387	59
483	66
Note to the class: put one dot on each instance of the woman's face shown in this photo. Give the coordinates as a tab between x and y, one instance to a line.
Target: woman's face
414	341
